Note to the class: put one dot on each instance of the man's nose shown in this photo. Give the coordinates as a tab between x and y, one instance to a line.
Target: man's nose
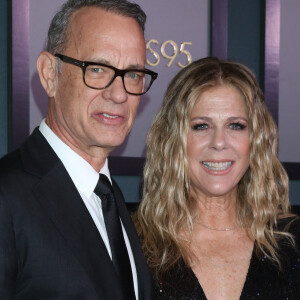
116	91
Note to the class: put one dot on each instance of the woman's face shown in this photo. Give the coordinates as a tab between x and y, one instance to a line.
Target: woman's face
218	143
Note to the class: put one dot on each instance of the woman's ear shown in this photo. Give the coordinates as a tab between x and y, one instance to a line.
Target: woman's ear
46	66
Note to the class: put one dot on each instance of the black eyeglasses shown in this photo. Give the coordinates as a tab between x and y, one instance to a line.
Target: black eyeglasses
100	76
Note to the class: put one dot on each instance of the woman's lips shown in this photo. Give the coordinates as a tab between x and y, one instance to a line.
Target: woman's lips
217	167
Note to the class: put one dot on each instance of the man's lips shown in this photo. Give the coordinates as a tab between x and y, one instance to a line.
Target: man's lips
109	118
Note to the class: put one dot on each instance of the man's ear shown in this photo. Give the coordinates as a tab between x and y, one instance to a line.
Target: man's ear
46	66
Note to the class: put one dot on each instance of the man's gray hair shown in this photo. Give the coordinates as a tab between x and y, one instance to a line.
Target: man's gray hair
58	30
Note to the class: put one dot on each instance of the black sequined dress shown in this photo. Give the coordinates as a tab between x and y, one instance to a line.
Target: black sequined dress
264	280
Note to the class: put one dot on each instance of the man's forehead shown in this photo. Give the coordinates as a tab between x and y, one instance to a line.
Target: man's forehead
90	16
98	35
91	21
84	18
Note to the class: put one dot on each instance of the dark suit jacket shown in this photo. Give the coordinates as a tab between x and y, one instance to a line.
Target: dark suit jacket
50	247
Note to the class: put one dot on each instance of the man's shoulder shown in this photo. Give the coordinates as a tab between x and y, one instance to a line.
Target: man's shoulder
10	163
13	163
33	156
11	174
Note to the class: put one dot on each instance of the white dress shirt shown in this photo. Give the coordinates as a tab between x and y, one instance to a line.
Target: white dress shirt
85	179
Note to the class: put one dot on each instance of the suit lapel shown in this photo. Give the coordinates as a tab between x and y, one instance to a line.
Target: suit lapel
62	203
145	283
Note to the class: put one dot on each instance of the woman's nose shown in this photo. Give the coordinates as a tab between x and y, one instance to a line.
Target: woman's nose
218	140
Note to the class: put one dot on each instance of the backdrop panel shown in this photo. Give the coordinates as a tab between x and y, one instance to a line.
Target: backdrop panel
177	33
282	78
289	82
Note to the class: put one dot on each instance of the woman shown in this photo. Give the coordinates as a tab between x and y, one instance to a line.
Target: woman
215	218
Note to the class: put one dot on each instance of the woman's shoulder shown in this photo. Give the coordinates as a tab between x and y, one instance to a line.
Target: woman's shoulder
290	224
290	255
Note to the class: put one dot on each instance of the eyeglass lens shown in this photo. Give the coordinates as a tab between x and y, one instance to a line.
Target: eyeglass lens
100	76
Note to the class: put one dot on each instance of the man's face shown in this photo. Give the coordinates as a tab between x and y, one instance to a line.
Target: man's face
88	119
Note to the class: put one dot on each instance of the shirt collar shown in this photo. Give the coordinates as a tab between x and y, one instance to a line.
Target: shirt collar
81	172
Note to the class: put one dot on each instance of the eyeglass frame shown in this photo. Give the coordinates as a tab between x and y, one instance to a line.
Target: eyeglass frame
118	72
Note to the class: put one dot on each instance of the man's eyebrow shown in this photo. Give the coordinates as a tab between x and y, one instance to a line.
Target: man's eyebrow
137	66
106	62
99	61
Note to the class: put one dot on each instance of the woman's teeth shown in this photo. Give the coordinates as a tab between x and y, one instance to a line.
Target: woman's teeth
217	166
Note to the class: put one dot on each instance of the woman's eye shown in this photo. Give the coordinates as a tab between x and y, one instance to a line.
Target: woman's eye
237	126
201	126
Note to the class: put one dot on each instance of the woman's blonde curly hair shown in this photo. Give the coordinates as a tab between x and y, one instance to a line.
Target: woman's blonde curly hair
167	206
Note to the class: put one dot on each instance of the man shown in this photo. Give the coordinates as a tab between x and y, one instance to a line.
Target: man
56	238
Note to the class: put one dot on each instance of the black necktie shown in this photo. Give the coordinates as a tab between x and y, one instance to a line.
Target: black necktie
119	252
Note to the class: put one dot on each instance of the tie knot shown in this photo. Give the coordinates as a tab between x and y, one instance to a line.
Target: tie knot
103	186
